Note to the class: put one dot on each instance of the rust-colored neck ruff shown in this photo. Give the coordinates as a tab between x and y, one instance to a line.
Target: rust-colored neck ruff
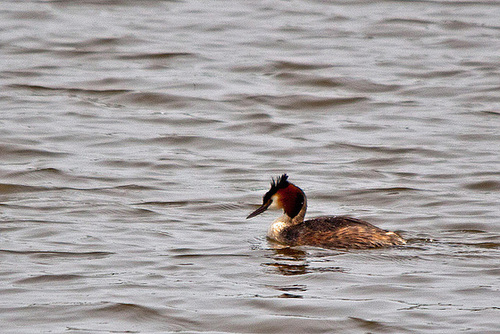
293	201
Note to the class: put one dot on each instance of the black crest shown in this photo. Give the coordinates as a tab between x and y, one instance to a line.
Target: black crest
281	182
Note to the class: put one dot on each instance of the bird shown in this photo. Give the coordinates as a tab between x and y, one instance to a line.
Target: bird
325	231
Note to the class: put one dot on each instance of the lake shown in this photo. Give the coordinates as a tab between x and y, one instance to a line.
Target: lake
136	136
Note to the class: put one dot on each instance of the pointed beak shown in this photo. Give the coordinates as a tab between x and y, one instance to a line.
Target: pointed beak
260	210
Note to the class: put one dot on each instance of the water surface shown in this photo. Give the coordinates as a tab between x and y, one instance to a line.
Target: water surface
136	136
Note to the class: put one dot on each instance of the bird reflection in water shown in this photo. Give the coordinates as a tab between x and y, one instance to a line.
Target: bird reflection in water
290	261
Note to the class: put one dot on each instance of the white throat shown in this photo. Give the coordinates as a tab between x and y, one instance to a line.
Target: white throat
276	229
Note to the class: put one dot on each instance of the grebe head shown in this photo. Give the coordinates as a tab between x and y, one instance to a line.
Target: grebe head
282	195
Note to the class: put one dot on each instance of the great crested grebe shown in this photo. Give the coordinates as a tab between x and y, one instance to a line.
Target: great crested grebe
325	231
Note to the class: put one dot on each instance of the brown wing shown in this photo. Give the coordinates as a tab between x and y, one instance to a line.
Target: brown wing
342	232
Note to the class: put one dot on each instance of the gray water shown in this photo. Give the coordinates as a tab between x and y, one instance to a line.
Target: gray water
136	136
